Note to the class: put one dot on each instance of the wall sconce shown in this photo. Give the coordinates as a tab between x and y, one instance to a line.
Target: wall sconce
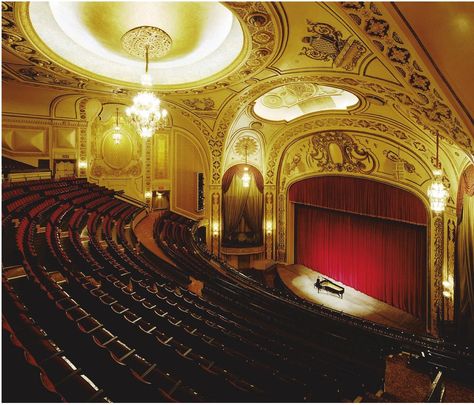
448	287
269	227
215	229
82	164
148	194
159	196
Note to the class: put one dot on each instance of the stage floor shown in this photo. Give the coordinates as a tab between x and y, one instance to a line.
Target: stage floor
300	280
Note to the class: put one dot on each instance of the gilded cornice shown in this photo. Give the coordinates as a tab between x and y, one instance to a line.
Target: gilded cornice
17	120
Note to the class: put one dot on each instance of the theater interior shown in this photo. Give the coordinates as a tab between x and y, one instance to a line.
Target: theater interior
237	201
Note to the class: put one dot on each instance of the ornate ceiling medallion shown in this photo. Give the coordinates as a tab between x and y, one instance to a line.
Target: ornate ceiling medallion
136	40
246	146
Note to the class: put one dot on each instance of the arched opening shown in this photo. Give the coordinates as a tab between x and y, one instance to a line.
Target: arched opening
242	206
368	235
464	274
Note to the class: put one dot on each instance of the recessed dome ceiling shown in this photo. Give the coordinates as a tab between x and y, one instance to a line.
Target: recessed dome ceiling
205	37
295	100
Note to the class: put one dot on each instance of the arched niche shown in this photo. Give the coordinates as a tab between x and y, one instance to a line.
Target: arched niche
242	208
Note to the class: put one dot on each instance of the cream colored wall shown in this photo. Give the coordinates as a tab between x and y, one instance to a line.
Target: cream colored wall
188	159
24	100
32	129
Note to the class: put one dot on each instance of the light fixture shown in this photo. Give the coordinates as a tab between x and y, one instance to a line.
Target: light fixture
446	294
246	178
116	136
215	229
148	194
146	114
269	227
437	193
448	287
82	164
246	175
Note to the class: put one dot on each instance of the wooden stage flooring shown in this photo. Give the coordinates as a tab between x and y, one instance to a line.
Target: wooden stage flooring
300	280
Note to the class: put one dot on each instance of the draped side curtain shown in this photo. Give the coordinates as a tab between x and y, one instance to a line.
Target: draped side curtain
383	259
235	200
465	265
253	212
242	202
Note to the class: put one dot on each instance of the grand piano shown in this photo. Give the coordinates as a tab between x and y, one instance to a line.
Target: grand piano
325	284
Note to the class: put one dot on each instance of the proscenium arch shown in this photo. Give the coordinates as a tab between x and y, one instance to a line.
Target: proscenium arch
289	211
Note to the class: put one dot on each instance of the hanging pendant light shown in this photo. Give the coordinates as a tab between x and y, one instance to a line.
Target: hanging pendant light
437	193
146	114
117	136
246	175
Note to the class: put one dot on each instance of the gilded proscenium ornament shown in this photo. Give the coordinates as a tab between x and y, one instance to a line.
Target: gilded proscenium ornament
337	151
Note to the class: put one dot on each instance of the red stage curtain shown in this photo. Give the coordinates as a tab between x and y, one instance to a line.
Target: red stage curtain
382	258
361	196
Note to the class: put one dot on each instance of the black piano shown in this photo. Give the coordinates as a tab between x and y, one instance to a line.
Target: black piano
325	284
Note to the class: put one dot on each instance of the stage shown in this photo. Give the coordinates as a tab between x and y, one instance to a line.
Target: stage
300	280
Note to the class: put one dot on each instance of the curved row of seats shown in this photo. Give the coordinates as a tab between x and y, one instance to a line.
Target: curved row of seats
174	234
129	326
135	330
57	373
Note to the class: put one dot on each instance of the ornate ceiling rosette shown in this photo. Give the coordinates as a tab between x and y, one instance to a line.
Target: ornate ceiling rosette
78	44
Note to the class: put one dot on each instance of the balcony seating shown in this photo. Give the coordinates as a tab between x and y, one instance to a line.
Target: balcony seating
130	325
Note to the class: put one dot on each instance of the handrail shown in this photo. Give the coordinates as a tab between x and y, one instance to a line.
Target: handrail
398	335
437	389
131	200
27	175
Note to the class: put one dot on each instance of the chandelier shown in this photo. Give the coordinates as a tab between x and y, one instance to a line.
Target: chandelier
117	136
437	193
145	114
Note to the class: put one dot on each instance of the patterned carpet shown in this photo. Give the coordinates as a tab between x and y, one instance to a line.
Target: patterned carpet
403	384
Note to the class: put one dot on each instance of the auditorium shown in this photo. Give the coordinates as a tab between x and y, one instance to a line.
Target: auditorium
237	201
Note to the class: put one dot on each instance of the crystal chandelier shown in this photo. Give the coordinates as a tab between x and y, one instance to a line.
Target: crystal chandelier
117	136
437	193
145	113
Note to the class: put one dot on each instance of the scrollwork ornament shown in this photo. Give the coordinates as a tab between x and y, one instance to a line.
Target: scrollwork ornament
438	266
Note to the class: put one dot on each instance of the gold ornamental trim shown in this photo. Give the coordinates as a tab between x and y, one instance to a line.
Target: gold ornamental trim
138	39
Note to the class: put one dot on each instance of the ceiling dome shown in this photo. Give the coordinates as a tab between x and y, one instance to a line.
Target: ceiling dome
203	39
297	99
